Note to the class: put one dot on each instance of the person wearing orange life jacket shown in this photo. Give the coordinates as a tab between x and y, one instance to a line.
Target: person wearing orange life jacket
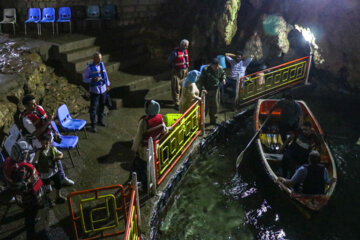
25	183
179	61
150	125
35	124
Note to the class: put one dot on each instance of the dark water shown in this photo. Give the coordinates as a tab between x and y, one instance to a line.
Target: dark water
215	202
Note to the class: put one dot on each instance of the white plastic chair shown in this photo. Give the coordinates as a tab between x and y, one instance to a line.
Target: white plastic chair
9	17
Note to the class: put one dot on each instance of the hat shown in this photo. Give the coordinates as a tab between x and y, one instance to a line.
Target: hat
152	108
19	151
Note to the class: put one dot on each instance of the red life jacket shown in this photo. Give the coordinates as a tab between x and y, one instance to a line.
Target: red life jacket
182	60
154	128
37	117
12	174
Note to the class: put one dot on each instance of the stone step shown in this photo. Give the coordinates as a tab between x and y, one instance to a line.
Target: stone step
158	88
77	54
77	44
164	98
80	64
130	62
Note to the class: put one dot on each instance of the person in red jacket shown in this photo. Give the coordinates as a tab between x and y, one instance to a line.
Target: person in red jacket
150	125
24	181
179	61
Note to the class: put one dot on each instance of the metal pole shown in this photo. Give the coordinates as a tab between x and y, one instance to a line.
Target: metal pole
202	109
135	186
308	70
151	168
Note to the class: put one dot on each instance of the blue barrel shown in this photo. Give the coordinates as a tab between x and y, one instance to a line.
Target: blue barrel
222	61
202	67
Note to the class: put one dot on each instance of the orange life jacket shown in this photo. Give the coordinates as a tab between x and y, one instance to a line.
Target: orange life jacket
154	128
182	60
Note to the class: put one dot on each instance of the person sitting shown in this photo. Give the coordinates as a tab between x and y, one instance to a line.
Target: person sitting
24	182
297	148
35	124
290	116
150	125
46	159
312	176
190	92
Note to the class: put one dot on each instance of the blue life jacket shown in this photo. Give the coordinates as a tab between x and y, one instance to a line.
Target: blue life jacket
100	74
314	182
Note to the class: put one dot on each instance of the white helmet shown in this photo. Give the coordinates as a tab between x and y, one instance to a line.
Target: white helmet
19	152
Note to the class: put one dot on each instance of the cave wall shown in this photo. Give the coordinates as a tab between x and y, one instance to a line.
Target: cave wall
128	11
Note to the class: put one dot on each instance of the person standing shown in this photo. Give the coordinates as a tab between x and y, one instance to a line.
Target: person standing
179	61
210	79
290	116
150	125
95	75
190	92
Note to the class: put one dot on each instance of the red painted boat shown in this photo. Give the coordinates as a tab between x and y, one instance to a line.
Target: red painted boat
269	141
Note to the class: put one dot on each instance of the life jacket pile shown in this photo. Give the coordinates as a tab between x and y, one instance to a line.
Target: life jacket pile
24	172
95	73
154	126
182	60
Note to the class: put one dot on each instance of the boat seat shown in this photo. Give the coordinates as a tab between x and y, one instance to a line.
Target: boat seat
274	157
274	113
324	159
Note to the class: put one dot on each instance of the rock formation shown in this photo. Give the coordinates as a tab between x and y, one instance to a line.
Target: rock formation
23	72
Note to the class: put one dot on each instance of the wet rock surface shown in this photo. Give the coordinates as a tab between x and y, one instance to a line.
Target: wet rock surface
22	71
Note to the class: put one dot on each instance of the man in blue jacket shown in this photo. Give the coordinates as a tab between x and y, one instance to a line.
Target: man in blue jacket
95	75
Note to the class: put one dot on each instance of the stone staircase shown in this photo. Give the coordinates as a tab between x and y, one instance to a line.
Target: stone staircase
133	75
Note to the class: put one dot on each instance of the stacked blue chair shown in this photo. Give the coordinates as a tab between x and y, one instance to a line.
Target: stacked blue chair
93	12
67	142
48	17
68	123
34	17
2	160
64	17
108	12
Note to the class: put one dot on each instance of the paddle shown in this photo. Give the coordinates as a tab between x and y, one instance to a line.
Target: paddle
241	155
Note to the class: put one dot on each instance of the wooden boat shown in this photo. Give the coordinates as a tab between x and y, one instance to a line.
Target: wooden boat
269	141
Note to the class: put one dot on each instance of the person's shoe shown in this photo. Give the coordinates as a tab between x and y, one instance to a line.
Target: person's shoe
102	124
67	182
93	129
60	199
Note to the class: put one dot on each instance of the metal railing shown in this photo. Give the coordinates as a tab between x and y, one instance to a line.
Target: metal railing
93	216
166	152
272	80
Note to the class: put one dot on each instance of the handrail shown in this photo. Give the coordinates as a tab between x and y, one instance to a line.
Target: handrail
171	147
133	221
256	85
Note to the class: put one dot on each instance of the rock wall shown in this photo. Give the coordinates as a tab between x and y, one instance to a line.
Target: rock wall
128	11
23	72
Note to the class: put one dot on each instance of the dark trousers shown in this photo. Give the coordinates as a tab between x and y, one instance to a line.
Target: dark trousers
97	104
140	167
56	178
30	212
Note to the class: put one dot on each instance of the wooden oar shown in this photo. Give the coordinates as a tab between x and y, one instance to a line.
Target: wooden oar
241	155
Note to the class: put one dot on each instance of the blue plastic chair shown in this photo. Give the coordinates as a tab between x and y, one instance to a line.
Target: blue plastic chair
108	12
64	17
48	17
34	17
93	12
2	160
67	122
67	142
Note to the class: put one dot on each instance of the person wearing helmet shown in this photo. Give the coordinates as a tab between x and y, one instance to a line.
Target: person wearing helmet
25	182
